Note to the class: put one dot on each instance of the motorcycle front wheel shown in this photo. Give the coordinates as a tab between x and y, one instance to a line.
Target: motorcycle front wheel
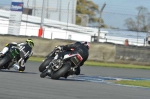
46	62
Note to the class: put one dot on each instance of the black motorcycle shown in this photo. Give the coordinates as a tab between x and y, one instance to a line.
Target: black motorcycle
63	67
15	55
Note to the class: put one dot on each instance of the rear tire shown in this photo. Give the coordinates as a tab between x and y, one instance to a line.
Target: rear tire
61	72
4	60
46	62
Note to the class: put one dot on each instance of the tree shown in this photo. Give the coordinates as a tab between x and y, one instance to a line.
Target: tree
88	8
141	21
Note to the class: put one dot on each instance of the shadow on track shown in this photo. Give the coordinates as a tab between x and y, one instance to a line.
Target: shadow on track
10	71
85	78
71	78
66	79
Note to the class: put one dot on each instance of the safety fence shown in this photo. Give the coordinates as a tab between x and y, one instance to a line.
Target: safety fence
115	23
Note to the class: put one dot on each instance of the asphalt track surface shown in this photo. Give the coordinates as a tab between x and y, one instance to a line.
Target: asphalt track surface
29	85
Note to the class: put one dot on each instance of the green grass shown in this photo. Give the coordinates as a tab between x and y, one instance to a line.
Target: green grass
38	59
143	83
102	64
116	65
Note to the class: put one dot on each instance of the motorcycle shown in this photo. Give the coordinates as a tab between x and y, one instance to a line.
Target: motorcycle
14	55
63	67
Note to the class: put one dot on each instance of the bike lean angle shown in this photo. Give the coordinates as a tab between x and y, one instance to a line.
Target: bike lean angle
56	68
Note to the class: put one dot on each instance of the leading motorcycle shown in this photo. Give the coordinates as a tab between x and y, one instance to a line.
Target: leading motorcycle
62	67
14	55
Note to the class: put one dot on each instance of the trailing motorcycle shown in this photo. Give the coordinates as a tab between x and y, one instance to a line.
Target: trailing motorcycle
62	67
14	55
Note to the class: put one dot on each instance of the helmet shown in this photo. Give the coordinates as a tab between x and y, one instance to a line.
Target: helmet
86	44
30	42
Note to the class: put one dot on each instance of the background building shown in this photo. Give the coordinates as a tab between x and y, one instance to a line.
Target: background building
62	29
59	10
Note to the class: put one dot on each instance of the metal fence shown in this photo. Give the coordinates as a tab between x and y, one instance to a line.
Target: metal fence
115	22
118	33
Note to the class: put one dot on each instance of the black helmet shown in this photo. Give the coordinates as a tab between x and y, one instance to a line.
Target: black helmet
86	44
30	42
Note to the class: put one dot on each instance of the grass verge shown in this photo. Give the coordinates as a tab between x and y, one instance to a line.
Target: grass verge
102	64
116	65
143	83
37	59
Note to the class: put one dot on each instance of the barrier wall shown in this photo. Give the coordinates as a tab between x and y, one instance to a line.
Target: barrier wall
133	54
98	51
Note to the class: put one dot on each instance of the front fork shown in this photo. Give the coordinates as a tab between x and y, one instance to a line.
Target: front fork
47	71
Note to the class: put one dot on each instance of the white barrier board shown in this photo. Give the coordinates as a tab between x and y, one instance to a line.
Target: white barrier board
15	18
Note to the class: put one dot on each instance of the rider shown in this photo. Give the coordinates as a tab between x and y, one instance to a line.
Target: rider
81	48
29	43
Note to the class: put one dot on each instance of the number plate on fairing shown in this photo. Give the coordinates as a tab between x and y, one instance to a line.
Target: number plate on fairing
75	60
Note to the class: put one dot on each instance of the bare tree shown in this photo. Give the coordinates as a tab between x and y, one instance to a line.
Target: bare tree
140	22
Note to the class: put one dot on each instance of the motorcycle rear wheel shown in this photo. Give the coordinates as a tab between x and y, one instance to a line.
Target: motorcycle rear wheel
61	72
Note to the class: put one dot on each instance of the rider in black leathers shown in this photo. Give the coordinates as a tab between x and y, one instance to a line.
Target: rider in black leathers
81	48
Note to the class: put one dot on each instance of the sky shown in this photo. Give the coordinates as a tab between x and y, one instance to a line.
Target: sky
113	5
115	11
128	6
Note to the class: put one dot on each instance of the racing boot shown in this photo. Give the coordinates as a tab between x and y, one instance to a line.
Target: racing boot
21	65
66	75
16	67
77	71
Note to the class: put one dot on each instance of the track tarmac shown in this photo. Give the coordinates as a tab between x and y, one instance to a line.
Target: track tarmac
93	83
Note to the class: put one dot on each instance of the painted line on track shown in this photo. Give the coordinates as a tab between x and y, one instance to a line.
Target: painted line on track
106	80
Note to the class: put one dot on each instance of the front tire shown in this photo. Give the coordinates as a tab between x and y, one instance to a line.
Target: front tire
46	62
61	72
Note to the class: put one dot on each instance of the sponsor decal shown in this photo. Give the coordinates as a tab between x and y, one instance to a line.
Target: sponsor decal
16	6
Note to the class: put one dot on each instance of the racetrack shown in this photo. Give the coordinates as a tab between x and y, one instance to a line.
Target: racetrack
93	83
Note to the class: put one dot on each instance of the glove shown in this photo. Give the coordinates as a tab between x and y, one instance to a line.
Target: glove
58	47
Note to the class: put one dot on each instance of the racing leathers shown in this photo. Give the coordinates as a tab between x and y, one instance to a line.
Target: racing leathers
78	48
21	66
